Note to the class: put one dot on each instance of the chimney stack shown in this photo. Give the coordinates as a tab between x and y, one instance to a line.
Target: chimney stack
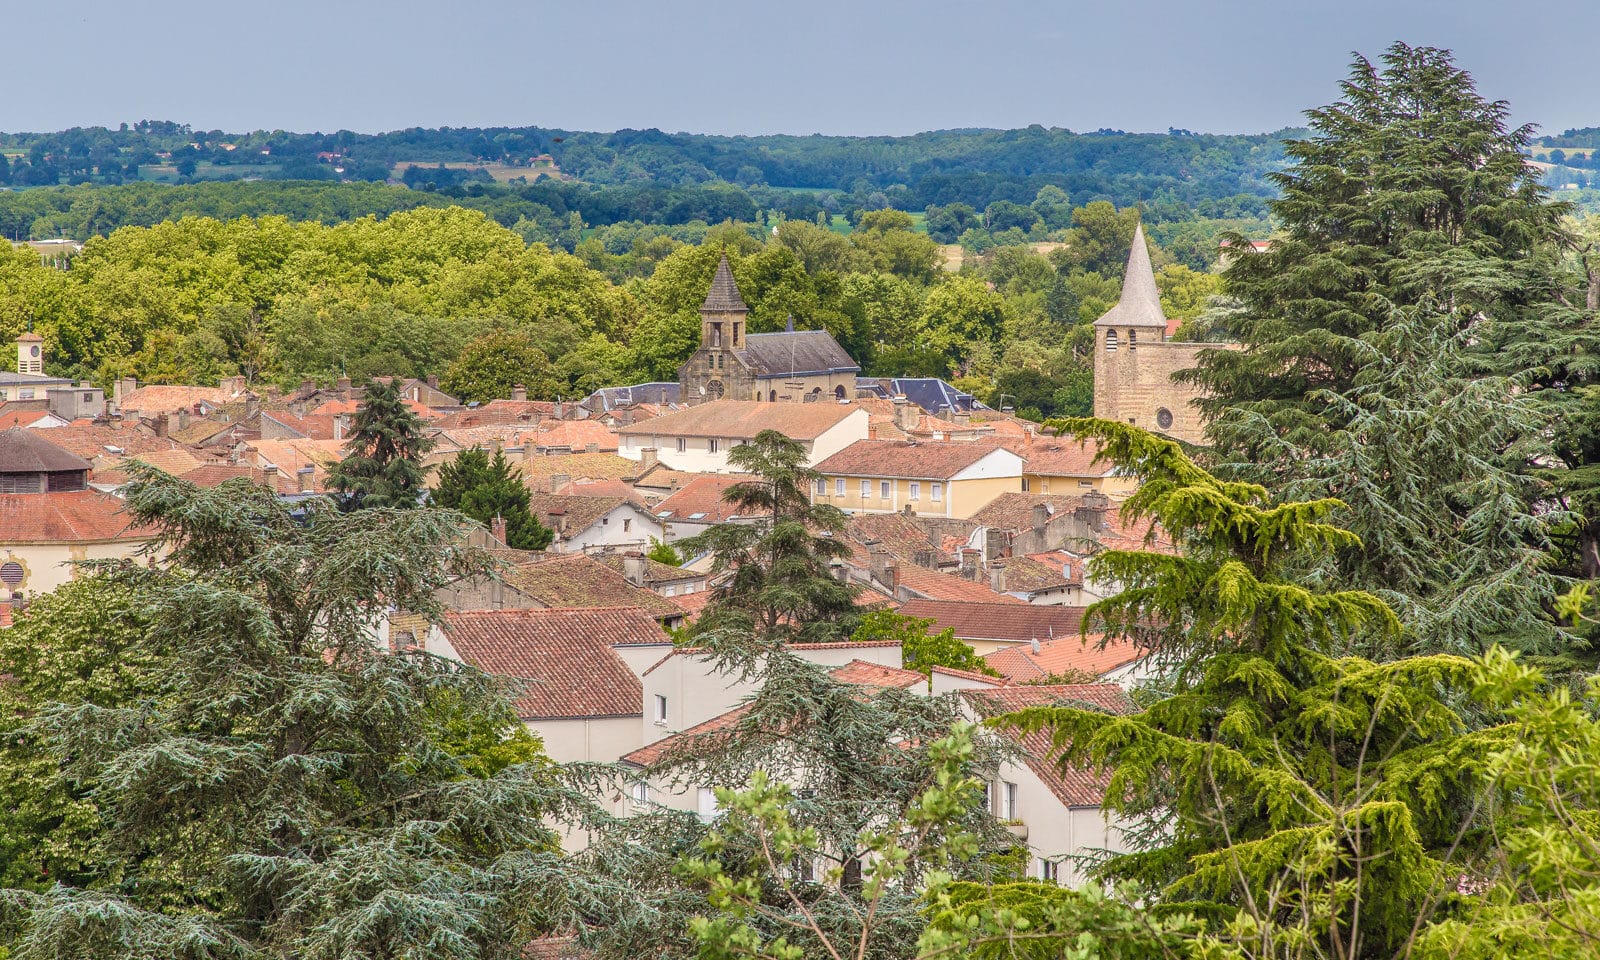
633	567
345	386
559	410
647	458
519	392
559	480
906	414
1092	512
183	417
1034	645
163	425
1041	517
969	564
122	388
305	475
997	575
497	529
591	448
433	381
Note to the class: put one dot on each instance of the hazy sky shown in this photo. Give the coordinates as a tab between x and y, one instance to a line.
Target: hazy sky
830	66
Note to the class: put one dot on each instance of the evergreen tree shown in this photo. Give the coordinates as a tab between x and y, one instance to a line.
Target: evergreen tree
382	467
291	789
484	489
1310	804
1412	228
782	584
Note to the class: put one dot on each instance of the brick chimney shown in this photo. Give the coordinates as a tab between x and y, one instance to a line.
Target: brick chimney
559	410
969	564
345	386
906	414
634	567
163	425
122	388
183	417
960	416
305	475
519	392
647	458
997	575
497	529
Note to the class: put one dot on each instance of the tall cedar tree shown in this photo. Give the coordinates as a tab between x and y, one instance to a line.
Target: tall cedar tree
1412	228
382	467
1311	805
484	489
292	789
783	584
854	756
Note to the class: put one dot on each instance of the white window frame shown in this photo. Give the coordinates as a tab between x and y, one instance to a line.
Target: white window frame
683	445
639	792
822	486
936	492
661	710
916	491
885	490
1049	871
712	446
1003	800
706	801
838	487
866	489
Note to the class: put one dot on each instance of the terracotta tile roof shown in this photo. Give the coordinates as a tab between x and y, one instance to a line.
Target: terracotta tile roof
576	466
565	653
290	455
610	489
506	411
20	418
177	461
692	604
575	580
902	458
969	675
1014	511
282	481
157	399
312	426
1008	622
576	434
743	419
655	570
1074	786
571	515
27	451
859	672
1060	457
1030	575
927	426
90	439
1081	654
335	407
842	645
899	534
77	517
949	587
701	496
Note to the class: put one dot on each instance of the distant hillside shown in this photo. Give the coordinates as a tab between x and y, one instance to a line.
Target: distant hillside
976	167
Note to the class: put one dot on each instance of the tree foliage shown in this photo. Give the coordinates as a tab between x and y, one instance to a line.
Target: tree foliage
382	466
486	489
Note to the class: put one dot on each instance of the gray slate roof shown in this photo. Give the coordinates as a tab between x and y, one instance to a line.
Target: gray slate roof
800	352
24	451
1140	305
724	296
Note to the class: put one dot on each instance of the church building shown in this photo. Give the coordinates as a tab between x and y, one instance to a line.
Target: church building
795	365
1134	362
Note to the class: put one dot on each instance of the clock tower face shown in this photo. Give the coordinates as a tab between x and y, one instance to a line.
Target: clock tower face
714	390
34	350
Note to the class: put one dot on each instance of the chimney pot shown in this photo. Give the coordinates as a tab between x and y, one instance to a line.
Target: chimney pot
647	458
497	529
163	425
634	568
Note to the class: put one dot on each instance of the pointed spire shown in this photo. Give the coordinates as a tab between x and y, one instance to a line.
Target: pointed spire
1140	305
724	296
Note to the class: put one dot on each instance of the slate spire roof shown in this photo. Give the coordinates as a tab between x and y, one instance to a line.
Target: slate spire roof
724	296
1140	305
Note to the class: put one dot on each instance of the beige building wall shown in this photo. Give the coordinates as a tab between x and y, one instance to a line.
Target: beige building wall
1115	487
697	455
47	566
587	739
956	499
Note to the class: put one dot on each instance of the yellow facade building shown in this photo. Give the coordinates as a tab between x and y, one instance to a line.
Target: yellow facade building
953	480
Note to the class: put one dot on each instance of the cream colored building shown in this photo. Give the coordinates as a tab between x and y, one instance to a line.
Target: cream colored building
953	480
697	439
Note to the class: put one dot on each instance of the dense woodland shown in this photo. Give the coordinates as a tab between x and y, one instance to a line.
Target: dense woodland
1374	726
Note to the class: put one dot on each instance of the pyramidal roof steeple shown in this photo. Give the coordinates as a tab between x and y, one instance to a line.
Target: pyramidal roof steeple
1140	305
724	296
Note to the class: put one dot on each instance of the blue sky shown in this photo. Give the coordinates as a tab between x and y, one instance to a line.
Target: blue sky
870	66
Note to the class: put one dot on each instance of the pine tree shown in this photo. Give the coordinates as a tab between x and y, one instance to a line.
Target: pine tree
291	789
382	467
1310	804
485	489
1412	229
782	584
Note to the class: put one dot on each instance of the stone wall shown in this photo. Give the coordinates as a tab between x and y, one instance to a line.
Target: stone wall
1134	384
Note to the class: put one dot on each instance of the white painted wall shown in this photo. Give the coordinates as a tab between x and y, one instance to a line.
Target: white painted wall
999	463
625	526
698	457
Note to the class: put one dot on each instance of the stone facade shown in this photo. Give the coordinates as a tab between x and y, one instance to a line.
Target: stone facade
1134	362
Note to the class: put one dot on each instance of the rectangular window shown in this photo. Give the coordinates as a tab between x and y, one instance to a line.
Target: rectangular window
822	487
883	489
26	394
707	802
1024	484
661	709
626	523
1049	871
1044	486
916	490
1003	800
712	445
639	792
936	491
683	445
838	487
866	489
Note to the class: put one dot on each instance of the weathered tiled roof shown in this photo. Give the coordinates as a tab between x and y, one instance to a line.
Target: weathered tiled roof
578	581
566	654
899	534
577	467
27	451
1083	654
1140	305
798	352
1014	511
1073	786
700	500
164	398
1059	457
1008	622
724	294
907	459
743	419
78	516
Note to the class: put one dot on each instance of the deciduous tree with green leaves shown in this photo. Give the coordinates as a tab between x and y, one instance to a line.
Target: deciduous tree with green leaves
920	649
491	365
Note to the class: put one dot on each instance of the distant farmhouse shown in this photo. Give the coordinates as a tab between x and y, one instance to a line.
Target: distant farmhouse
795	365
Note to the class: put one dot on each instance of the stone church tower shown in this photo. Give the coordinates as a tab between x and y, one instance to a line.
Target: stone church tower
795	365
1134	361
